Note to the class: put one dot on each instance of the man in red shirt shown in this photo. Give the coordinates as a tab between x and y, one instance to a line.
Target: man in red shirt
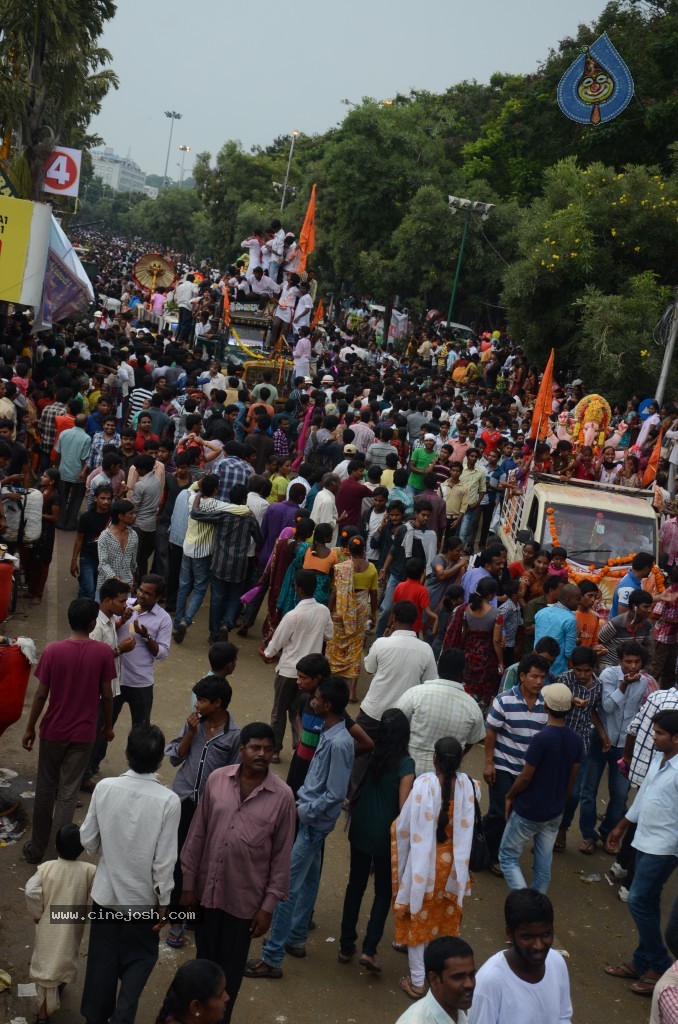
492	436
412	589
350	495
75	674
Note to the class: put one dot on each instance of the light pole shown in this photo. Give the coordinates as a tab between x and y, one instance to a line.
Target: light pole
484	209
287	172
184	150
173	116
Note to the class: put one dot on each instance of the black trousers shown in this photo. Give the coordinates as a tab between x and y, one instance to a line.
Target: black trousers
225	940
119	951
187	812
174	560
358	879
494	821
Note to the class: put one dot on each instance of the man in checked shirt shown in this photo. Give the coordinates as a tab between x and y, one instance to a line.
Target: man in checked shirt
587	692
47	426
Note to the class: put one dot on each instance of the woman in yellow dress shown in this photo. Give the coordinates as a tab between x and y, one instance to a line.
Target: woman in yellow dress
352	601
430	851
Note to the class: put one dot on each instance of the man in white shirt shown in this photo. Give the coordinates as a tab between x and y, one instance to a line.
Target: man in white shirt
113	612
184	296
396	662
216	379
441	707
132	823
282	317
451	973
302	631
324	504
527	983
275	246
262	285
302	313
253	245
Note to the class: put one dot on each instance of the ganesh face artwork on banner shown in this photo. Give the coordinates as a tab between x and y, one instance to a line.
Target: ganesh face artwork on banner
597	86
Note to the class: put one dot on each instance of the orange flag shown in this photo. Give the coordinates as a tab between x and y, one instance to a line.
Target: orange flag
651	468
307	236
544	403
318	315
227	305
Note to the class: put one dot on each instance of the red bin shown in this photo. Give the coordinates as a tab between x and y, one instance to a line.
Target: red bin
15	671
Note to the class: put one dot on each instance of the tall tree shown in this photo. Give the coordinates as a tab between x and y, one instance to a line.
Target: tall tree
53	78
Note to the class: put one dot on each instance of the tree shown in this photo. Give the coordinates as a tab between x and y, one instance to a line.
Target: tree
53	79
169	220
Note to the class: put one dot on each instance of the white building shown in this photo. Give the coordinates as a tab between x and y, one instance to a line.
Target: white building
151	191
120	172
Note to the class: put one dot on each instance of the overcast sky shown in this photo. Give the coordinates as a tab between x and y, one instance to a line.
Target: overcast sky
252	71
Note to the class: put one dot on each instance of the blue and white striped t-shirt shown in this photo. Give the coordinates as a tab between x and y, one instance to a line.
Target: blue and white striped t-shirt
515	725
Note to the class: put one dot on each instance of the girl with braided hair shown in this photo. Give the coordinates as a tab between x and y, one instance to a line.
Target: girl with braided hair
197	995
430	850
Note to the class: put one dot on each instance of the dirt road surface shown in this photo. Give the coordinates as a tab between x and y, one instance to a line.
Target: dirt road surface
592	925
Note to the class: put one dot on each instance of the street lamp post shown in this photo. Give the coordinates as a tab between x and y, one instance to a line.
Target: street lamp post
173	116
287	172
484	209
184	150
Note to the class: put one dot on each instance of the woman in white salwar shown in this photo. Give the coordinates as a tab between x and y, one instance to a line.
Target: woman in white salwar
65	882
430	851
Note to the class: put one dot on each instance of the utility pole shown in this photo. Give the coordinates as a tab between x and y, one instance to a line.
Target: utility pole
287	172
484	209
173	116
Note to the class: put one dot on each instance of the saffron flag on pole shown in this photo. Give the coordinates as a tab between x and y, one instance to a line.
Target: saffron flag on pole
543	406
227	306
307	236
318	315
651	468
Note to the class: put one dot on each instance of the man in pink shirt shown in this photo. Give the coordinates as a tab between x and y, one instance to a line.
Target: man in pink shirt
237	855
461	445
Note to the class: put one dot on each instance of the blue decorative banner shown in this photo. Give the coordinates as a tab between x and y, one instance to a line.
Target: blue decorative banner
597	86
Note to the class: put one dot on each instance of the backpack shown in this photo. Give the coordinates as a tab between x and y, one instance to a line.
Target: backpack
24	518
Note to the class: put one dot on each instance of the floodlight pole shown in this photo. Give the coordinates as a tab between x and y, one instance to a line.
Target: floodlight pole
459	259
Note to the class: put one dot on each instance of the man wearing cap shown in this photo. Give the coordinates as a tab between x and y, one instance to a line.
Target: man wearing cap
420	462
536	800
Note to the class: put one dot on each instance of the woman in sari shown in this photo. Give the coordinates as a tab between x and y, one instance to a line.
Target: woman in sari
273	576
475	628
353	601
287	598
430	850
533	579
321	559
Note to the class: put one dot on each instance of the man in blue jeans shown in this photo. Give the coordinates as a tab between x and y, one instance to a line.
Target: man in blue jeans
318	806
625	686
655	813
536	800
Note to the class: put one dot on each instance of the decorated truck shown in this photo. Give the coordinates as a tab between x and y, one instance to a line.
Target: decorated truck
601	526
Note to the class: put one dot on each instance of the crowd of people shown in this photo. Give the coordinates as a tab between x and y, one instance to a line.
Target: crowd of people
347	519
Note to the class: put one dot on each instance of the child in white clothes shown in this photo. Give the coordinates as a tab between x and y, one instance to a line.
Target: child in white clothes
65	882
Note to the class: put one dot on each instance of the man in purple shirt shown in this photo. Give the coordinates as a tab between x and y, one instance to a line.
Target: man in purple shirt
277	516
237	855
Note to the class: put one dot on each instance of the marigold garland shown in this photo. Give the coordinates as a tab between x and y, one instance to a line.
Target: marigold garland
596	575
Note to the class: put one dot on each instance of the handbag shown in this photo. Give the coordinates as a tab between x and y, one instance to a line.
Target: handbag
479	858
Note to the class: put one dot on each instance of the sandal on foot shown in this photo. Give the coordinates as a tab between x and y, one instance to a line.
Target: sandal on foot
399	947
410	989
587	846
644	986
297	951
495	869
260	969
369	963
345	958
626	971
175	940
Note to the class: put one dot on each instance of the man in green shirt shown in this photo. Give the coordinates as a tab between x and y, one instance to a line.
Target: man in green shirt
420	461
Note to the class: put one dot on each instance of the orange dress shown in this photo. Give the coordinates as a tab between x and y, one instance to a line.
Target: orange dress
440	913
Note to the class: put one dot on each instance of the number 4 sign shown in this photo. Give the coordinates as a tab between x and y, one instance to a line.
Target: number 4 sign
62	172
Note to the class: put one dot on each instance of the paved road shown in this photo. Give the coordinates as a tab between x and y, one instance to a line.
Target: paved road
591	923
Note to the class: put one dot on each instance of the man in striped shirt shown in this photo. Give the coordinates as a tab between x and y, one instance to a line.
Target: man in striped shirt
514	718
47	426
194	575
235	525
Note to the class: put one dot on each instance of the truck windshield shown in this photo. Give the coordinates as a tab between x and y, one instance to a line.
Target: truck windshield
591	536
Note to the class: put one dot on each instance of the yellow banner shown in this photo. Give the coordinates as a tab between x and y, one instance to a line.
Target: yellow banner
16	216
